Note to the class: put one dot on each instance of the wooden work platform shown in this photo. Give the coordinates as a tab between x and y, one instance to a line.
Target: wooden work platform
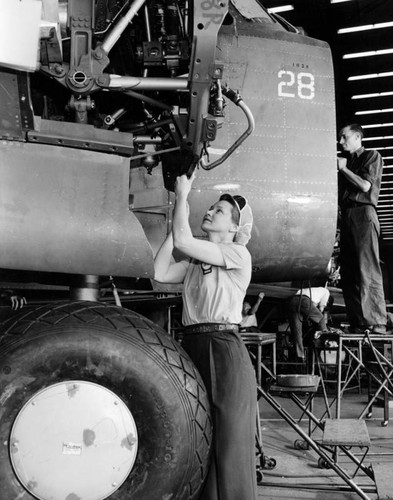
258	341
351	346
345	432
298	474
383	480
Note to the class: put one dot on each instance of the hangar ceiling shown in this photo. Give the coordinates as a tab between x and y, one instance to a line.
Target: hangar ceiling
360	34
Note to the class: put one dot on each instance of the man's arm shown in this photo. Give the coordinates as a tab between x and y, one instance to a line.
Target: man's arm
255	307
360	183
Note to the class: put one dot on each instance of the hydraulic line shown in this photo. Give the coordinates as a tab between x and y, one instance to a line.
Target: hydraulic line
236	99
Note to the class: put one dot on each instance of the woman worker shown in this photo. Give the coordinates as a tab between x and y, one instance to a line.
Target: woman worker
216	274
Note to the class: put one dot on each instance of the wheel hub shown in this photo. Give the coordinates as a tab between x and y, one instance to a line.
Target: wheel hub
74	439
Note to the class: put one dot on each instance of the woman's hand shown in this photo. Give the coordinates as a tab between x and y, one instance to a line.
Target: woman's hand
183	184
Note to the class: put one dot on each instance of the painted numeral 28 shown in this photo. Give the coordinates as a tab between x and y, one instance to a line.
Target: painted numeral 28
291	85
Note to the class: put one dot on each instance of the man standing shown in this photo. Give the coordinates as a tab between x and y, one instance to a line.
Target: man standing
361	277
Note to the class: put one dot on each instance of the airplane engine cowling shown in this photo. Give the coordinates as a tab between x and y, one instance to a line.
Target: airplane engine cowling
66	210
287	167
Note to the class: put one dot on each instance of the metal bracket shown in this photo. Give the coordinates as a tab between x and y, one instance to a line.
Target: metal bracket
208	17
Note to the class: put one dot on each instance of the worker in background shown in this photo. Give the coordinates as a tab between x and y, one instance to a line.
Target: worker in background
360	173
10	302
249	318
9	298
306	304
216	274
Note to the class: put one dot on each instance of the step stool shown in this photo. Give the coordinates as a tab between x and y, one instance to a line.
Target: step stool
258	340
345	434
317	446
383	481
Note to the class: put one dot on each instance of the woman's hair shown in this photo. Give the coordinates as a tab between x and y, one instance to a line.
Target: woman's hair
237	202
235	214
241	216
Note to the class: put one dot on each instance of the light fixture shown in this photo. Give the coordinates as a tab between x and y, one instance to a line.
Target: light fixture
375	94
281	8
339	1
365	27
378	138
377	125
369	53
374	111
370	76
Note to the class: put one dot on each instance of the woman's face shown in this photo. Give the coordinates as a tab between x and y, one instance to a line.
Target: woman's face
219	218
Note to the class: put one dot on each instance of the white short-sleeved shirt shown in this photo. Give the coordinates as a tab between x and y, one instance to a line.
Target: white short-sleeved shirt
248	321
215	294
319	295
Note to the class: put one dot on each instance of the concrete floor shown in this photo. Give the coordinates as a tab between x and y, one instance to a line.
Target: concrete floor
297	474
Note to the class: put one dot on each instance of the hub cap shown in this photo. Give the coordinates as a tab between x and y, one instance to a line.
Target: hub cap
74	439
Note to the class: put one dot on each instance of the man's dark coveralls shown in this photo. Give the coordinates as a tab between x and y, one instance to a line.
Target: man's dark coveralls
300	307
361	276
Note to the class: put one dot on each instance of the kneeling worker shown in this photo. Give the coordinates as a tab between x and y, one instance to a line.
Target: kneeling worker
249	318
306	304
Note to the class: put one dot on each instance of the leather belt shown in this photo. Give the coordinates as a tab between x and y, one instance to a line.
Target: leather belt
211	327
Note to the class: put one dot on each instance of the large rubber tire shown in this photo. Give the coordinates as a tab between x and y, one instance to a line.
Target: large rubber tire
126	353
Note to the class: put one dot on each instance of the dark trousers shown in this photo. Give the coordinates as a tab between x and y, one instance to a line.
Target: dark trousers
361	276
299	309
224	364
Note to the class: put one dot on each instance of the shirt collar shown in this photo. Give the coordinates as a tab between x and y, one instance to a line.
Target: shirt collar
358	152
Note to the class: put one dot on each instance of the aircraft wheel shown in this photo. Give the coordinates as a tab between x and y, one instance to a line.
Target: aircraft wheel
99	402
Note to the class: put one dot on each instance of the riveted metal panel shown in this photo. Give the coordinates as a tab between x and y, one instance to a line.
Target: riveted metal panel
65	210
